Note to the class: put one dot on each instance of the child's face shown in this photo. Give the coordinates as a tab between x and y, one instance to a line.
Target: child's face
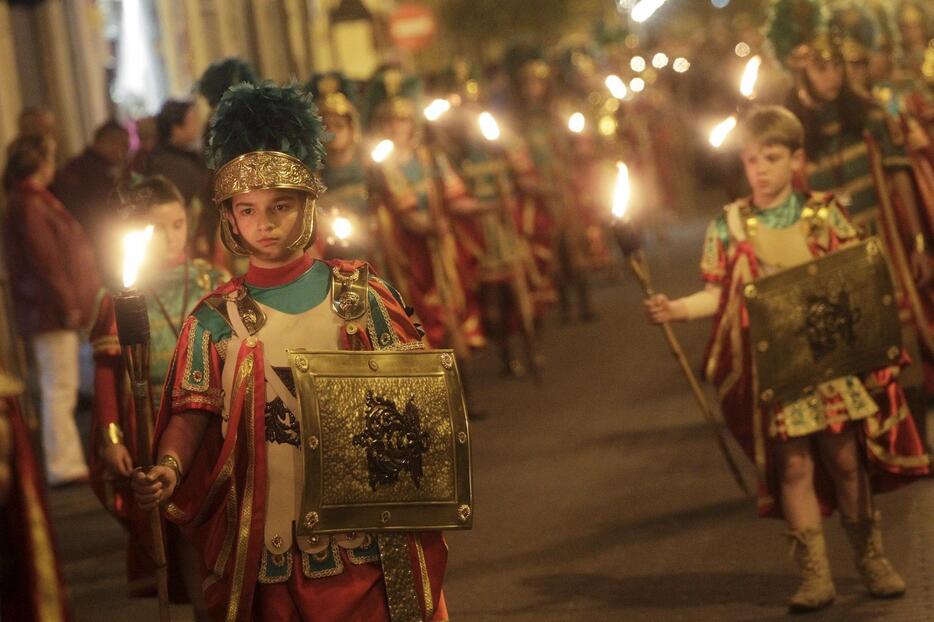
400	130
826	78
770	168
268	220
342	129
170	232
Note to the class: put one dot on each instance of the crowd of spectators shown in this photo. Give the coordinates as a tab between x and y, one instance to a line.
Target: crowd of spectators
61	226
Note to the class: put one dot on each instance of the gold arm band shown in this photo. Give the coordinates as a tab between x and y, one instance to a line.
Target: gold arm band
113	434
172	463
920	244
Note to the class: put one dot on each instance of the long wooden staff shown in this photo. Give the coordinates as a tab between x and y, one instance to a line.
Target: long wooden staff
133	331
641	269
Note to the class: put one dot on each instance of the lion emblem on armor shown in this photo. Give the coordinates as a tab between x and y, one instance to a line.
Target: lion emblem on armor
393	439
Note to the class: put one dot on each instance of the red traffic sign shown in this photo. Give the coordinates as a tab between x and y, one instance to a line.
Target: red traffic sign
412	26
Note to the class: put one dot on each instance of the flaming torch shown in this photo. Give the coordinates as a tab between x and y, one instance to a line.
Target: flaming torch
630	241
747	88
133	332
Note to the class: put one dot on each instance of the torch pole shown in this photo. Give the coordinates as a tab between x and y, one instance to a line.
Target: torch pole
640	268
133	331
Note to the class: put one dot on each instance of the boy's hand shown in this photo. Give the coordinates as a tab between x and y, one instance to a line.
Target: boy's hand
154	486
118	459
660	310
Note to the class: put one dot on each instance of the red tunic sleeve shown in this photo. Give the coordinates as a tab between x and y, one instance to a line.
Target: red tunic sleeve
194	379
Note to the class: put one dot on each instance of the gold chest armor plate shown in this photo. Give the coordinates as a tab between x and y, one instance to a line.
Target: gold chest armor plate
831	317
385	441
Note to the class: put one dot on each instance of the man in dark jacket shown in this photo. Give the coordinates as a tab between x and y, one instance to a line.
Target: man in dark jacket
177	158
86	185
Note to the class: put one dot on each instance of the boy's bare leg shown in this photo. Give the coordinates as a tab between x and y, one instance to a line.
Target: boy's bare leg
840	455
796	469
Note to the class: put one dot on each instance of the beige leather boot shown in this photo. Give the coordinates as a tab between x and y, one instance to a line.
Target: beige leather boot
810	552
877	573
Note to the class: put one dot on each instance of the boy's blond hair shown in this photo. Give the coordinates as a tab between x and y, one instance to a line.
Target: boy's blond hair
771	125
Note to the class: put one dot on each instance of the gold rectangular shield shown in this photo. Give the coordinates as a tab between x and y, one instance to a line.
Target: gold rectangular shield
832	317
385	441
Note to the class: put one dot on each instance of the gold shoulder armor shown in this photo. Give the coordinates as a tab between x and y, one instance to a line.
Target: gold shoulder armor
349	291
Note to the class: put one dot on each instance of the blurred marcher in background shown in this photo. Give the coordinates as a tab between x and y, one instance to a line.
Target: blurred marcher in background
173	284
31	587
348	227
54	283
178	158
535	116
86	185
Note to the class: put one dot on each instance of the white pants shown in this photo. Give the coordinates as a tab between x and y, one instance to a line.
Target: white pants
56	355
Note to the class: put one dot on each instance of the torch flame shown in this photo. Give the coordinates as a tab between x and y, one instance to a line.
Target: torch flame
342	228
721	131
436	109
134	253
644	9
747	85
616	86
488	126
576	122
382	150
622	190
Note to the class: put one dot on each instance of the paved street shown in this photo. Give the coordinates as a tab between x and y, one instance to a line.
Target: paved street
599	496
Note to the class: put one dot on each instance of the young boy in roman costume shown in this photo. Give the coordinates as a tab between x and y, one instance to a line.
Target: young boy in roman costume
844	439
227	435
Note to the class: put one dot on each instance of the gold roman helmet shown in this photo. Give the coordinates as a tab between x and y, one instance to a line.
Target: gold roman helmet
331	98
536	68
265	137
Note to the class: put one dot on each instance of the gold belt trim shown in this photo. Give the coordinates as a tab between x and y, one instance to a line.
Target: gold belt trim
399	578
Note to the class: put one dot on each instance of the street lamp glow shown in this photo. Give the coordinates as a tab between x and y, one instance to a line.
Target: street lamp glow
644	9
660	60
342	228
637	64
382	150
621	191
721	131
637	85
681	64
436	109
134	253
616	86
488	126
577	122
747	85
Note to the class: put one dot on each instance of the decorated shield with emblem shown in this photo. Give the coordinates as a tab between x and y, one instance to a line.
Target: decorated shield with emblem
385	442
834	316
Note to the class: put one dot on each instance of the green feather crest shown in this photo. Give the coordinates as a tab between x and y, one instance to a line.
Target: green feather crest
266	117
793	22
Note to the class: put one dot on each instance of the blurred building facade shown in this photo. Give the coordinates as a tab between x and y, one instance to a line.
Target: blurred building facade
87	60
